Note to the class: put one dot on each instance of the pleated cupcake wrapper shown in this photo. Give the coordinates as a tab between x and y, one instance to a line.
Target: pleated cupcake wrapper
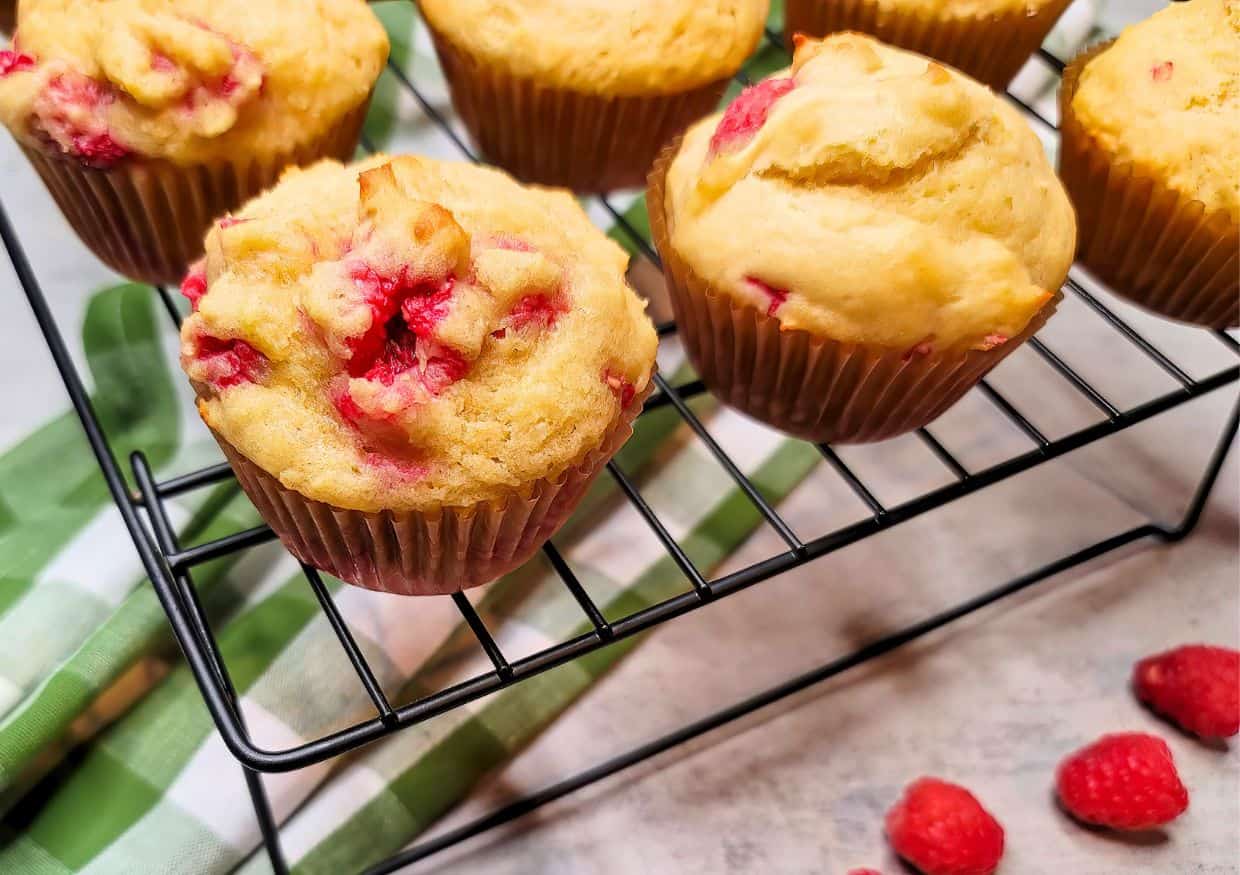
146	219
555	136
427	553
1161	249
990	47
810	386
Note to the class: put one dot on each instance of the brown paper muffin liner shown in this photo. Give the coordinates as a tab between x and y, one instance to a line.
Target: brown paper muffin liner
554	136
427	553
1161	249
146	219
990	47
810	386
8	16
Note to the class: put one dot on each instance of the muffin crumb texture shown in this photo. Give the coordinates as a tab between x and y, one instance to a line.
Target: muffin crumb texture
885	200
403	333
1166	97
620	47
186	80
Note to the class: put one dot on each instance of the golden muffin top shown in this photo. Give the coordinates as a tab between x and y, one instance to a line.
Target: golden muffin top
405	333
1166	97
884	199
186	80
623	47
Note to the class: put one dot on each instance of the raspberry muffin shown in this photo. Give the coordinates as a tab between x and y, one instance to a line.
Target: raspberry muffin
583	93
903	233
988	39
1151	158
147	120
416	368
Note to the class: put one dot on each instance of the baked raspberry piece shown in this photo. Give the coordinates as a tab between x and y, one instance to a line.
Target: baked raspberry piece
71	111
15	62
427	305
227	363
775	296
194	286
941	829
620	386
537	311
1126	781
747	113
398	468
1197	687
1162	72
418	304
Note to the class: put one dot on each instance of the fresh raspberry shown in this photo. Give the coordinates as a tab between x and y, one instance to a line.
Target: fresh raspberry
15	62
1197	687
194	286
229	362
620	386
747	113
538	311
864	872
1126	781
941	829
1162	72
775	297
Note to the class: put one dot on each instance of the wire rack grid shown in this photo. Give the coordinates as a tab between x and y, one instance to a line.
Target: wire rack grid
170	566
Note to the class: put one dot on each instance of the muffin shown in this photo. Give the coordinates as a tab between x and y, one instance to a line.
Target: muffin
1150	155
903	232
415	368
988	39
149	120
583	94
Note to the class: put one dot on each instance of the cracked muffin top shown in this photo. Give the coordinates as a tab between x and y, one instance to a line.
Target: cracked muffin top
885	200
1166	97
622	47
186	80
404	333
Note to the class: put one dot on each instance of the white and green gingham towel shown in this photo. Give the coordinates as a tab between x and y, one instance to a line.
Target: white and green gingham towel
82	636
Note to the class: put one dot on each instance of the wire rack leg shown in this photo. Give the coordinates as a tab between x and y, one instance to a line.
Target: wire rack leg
1192	515
166	538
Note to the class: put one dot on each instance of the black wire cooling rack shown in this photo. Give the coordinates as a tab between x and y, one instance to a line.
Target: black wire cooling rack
170	566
